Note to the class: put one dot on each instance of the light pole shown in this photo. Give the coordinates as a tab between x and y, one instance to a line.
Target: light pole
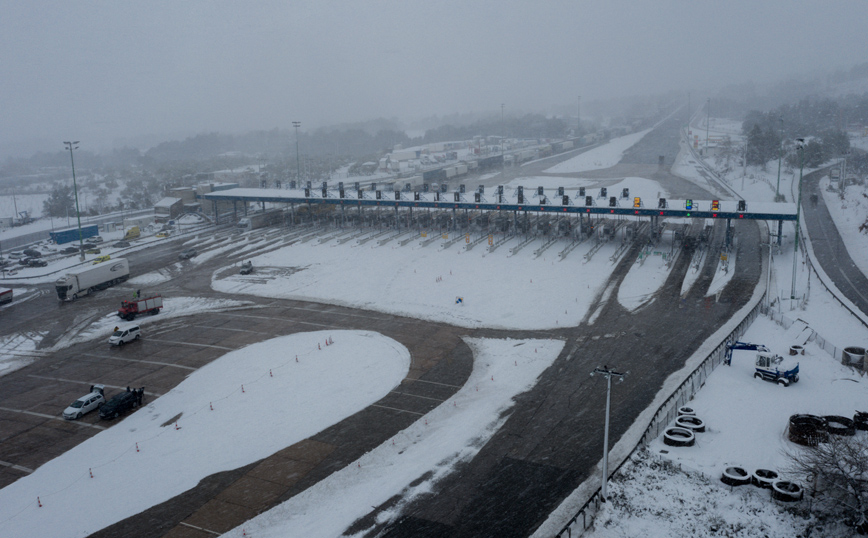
800	147
608	374
297	124
780	154
579	117
71	146
707	122
502	130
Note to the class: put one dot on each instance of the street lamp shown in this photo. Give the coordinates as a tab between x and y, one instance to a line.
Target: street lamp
297	124
502	130
800	147
780	154
707	122
608	374
71	146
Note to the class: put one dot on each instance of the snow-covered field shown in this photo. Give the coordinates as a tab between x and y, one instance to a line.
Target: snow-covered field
259	395
605	156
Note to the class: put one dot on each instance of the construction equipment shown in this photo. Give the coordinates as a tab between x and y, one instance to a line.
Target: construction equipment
730	346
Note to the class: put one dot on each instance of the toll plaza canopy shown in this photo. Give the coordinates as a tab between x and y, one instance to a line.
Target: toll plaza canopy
593	202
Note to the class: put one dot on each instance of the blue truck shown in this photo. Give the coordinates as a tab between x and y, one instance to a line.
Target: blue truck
71	234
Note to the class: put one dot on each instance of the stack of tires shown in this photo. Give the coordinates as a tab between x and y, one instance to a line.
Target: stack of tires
687	425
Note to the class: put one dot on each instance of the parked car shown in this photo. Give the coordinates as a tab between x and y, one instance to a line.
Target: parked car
36	262
87	403
32	253
127	334
101	259
187	254
121	244
247	268
162	234
94	239
69	250
121	402
17	255
92	251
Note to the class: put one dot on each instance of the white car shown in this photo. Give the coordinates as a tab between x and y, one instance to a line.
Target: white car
86	403
122	336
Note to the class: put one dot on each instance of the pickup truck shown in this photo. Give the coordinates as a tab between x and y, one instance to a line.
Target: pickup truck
121	402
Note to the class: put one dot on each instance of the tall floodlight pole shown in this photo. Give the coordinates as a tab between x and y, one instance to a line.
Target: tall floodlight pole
707	123
800	147
71	146
608	374
780	154
502	130
579	117
297	124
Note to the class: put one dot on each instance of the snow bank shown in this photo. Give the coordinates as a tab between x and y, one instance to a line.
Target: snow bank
605	156
149	458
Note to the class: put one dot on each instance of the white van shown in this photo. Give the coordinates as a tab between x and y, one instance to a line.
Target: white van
127	334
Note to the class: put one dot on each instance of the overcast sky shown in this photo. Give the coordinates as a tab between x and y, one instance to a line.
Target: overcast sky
96	71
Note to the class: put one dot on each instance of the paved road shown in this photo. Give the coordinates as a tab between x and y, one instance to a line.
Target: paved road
829	247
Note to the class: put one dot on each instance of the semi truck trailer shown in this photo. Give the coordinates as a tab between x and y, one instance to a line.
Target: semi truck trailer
261	220
96	277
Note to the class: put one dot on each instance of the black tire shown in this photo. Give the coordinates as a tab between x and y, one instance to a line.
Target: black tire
807	430
764	478
77	416
686	411
691	422
155	311
840	425
860	420
757	375
120	342
786	491
137	336
796	378
131	316
74	296
735	476
677	436
784	382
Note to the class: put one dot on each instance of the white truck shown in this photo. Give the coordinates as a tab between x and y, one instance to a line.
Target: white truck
97	277
260	220
5	295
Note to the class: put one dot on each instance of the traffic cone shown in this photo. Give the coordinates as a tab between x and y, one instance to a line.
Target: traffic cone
242	388
38	502
176	426
317	346
269	373
137	447
90	471
211	405
296	358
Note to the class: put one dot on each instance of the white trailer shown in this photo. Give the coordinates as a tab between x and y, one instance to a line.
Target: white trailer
5	295
260	220
97	277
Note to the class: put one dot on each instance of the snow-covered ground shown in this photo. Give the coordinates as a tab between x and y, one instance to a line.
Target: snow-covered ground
260	396
605	156
448	435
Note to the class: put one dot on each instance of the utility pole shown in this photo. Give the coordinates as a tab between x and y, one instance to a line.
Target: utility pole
800	147
579	117
608	374
297	124
71	146
707	123
502	130
780	154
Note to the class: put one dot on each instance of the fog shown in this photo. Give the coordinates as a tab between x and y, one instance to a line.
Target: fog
108	72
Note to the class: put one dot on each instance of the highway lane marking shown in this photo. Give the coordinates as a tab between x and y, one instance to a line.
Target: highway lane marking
435	383
43	415
199	528
192	344
389	408
89	383
139	360
229	329
18	467
417	396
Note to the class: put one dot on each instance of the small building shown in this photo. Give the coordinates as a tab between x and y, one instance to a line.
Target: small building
167	209
187	194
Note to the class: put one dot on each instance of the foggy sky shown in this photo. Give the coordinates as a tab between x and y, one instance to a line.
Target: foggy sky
96	71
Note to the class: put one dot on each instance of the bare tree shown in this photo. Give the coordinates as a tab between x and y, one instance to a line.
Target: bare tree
838	470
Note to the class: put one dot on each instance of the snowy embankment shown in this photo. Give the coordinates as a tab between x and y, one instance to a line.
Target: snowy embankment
166	447
447	436
605	156
746	421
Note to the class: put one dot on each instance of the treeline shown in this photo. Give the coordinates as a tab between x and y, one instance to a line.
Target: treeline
821	122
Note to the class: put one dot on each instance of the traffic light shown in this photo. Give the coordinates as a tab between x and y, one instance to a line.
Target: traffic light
688	205
565	200
661	203
539	191
581	191
613	202
603	192
715	205
379	195
457	196
397	195
637	202
477	197
416	196
306	192
589	200
742	205
560	191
